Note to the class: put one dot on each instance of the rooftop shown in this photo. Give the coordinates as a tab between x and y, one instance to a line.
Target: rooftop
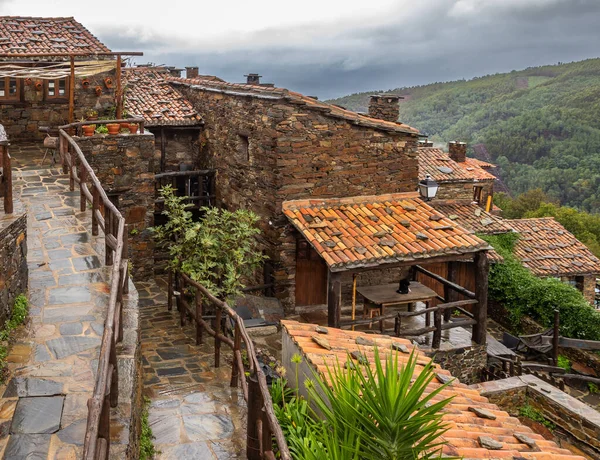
469	215
367	231
19	35
244	90
442	168
466	426
548	249
151	96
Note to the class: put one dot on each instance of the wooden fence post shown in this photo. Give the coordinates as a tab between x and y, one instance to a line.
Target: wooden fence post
237	342
95	209
450	295
82	179
125	255
108	226
255	404
199	317
8	188
437	334
482	266
217	339
555	337
72	169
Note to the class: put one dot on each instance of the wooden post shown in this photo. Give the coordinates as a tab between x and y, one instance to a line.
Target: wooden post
125	255
8	188
108	218
334	299
95	209
82	179
199	318
114	375
555	337
354	276
482	266
217	339
437	334
119	91
71	91
170	291
72	169
237	342
64	150
255	404
450	295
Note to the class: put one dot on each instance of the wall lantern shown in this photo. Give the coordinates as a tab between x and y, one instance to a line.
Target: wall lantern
428	188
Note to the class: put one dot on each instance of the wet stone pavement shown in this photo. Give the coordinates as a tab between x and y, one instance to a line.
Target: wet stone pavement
52	364
193	412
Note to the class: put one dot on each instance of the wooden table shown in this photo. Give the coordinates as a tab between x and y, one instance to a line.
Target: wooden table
385	295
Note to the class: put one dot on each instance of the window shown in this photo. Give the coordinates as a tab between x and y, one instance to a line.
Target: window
243	148
477	189
9	89
56	89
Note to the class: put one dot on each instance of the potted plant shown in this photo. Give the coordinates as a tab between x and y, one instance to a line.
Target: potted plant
85	83
91	114
101	130
88	130
133	128
108	82
113	128
38	85
98	90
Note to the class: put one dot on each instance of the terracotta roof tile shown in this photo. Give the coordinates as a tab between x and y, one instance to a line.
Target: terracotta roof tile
465	427
295	98
152	97
442	168
46	35
547	249
373	230
470	216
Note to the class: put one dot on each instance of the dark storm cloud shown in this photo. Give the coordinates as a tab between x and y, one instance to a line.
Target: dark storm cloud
439	40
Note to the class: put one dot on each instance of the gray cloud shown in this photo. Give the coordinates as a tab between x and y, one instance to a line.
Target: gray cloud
437	40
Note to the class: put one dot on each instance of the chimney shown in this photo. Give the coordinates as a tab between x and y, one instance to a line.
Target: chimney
253	79
458	151
425	143
191	72
385	107
174	72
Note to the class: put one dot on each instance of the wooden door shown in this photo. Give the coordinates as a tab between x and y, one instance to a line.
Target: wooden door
311	275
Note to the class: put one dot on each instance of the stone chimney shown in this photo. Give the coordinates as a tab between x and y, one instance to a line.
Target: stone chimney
384	107
174	71
425	143
458	151
253	79
191	72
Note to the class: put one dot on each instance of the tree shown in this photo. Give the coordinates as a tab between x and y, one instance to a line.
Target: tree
219	251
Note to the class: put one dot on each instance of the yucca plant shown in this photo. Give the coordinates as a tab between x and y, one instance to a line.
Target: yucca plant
365	413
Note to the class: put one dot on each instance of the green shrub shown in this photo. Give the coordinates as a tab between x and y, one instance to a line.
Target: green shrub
364	413
593	388
522	293
147	449
18	316
530	412
564	363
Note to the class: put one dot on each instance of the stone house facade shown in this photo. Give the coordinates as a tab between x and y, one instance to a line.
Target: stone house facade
35	92
272	145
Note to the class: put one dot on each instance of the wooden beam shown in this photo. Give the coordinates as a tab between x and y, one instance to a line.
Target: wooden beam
450	294
72	91
119	91
7	179
482	266
408	263
334	299
565	342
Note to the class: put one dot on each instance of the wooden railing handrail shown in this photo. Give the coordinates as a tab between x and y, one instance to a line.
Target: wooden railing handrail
5	161
199	172
445	282
77	124
255	368
105	394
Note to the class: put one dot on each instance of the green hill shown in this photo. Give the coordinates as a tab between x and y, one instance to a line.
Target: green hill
541	125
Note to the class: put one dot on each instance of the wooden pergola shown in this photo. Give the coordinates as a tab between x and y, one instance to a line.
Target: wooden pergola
71	57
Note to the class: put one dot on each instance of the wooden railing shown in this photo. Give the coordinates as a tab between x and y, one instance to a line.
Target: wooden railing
107	217
76	128
6	178
262	424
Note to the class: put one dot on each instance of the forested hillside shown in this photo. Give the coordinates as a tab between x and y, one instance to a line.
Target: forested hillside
540	125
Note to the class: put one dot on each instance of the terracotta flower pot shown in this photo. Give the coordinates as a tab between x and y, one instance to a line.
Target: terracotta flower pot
133	128
38	85
108	82
98	91
85	83
88	130
113	128
124	125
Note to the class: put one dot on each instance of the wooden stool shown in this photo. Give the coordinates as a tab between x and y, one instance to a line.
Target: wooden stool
370	310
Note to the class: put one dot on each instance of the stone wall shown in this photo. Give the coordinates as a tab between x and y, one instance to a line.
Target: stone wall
22	119
182	146
384	107
124	164
268	151
589	288
576	418
464	363
464	190
13	260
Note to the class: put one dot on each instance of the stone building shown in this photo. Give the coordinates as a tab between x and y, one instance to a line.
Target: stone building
175	124
547	249
52	70
458	176
270	145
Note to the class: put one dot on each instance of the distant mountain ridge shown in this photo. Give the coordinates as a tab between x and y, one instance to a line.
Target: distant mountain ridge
541	125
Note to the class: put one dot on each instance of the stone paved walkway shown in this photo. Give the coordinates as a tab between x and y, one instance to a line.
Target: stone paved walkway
194	413
43	409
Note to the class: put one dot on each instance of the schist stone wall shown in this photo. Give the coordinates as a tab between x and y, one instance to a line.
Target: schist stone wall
464	363
269	150
182	147
22	119
13	260
464	190
124	164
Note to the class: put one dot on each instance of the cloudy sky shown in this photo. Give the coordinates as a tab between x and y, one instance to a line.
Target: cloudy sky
331	48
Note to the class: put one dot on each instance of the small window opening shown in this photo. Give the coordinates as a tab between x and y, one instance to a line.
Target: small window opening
243	148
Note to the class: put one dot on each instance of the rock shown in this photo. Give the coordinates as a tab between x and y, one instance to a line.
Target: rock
525	440
70	345
38	415
29	386
482	413
435	217
421	236
400	347
357	355
443	378
71	328
488	443
321	342
322	330
28	446
74	433
360	340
